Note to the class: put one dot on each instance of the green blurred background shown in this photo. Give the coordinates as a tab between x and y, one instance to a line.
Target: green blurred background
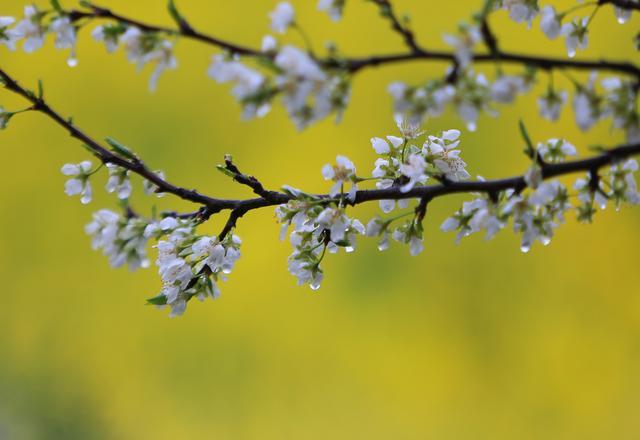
476	341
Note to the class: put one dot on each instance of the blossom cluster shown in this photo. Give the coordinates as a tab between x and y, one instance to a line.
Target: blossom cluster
190	265
539	210
410	169
471	93
309	93
142	47
311	88
318	225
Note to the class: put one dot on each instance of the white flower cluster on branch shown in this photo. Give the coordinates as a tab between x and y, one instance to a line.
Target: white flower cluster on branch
312	87
411	167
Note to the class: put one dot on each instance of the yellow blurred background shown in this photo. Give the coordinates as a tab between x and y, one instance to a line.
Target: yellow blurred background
476	341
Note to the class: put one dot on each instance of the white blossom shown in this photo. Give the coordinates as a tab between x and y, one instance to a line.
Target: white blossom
623	182
8	37
248	83
506	88
332	7
308	93
413	104
65	37
586	105
550	22
474	216
118	181
306	272
377	227
521	11
145	47
463	43
533	176
620	102
215	255
30	29
109	34
282	17
587	196
576	36
342	173
411	234
381	146
164	59
414	169
150	188
181	265
555	150
472	95
122	240
336	221
79	182
389	205
268	44
443	153
408	128
550	104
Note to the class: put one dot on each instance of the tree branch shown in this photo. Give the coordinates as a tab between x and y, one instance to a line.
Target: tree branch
185	31
355	64
136	166
623	4
386	10
239	208
545	63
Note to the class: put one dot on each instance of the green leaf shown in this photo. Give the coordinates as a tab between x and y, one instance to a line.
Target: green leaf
121	149
55	4
225	171
173	11
529	151
40	89
159	300
178	18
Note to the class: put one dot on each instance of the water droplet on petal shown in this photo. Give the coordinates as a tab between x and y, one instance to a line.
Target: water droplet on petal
349	249
226	270
314	285
72	62
525	248
572	53
545	240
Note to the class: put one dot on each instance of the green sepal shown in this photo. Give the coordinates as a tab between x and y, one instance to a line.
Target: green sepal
159	300
121	149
